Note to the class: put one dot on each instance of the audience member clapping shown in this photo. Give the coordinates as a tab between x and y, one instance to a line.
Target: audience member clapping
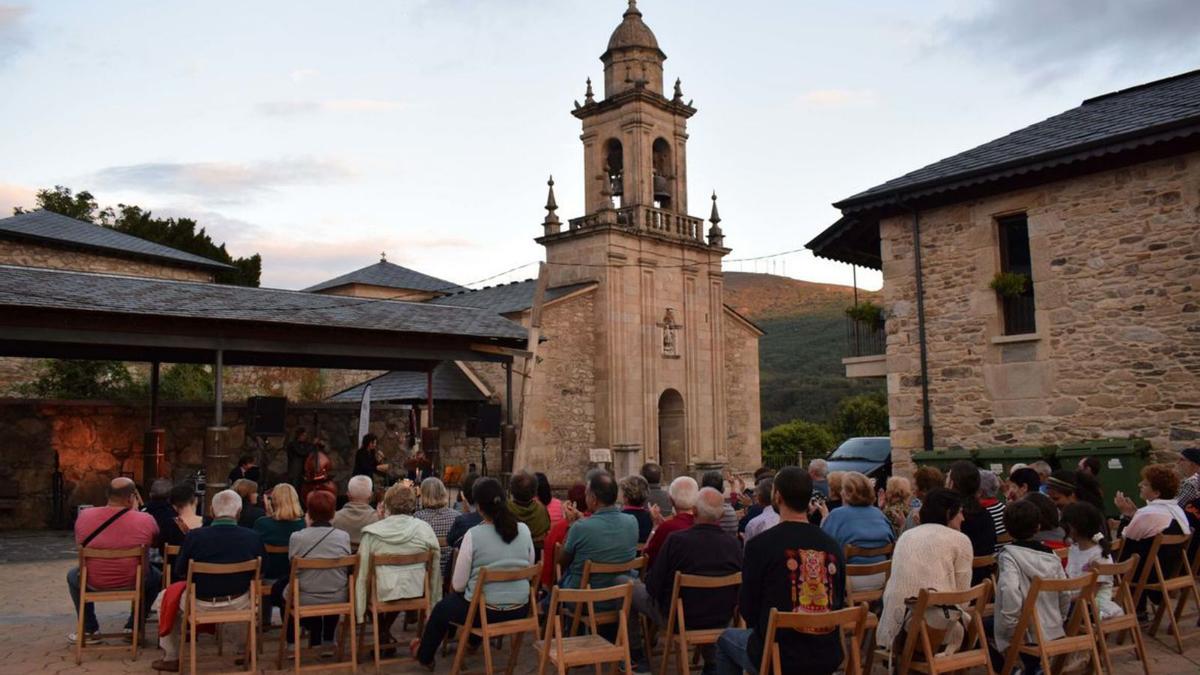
607	536
683	493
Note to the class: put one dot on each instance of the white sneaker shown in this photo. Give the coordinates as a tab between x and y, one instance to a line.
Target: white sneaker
92	637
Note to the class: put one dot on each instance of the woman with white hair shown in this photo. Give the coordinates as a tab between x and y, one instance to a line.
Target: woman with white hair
435	510
683	491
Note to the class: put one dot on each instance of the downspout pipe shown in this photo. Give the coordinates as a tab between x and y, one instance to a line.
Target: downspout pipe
926	420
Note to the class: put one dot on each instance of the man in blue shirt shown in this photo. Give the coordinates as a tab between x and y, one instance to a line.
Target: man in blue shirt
608	536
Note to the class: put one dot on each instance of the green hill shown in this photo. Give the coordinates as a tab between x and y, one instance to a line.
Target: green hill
801	371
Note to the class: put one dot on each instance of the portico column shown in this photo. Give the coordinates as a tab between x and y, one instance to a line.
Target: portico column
216	438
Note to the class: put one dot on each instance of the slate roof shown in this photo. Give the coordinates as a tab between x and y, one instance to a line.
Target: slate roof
49	228
1139	111
449	384
389	275
505	298
58	289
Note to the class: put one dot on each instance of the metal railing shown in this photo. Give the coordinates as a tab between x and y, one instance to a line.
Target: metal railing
1018	314
864	338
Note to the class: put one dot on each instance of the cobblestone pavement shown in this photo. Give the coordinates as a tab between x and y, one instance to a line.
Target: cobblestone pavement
36	615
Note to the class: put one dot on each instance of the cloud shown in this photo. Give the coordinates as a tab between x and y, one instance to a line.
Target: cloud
15	195
13	37
836	98
229	181
301	74
1048	41
304	107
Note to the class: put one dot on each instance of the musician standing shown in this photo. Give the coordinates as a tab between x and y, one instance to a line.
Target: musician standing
369	460
298	450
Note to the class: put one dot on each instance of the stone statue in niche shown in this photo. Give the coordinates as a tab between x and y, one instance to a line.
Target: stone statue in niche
670	337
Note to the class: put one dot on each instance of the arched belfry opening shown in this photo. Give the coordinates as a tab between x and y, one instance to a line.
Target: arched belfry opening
672	434
614	165
664	174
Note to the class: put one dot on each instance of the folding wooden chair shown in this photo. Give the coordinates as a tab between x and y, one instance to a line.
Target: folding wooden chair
1078	637
869	596
295	611
1178	578
265	590
591	649
169	552
375	606
590	568
677	629
477	613
849	620
1121	573
130	595
922	650
195	616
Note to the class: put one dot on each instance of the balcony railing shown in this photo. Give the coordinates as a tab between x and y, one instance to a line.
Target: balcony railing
864	338
1018	314
647	219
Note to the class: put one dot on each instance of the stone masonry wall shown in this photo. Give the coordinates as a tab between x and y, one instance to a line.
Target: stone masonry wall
743	423
35	255
1116	274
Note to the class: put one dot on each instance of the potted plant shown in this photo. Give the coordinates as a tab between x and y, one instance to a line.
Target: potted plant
1009	284
866	312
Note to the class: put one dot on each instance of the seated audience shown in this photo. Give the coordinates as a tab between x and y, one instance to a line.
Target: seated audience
435	510
276	529
398	533
657	496
1088	489
835	490
1043	469
1161	515
221	542
683	493
319	541
526	507
792	567
251	511
499	543
577	503
702	549
769	517
1021	482
159	505
183	506
117	524
546	496
1090	466
925	478
897	502
358	512
729	519
607	536
818	471
1019	563
247	467
1085	526
1189	468
470	517
1050	532
989	499
859	523
758	503
1060	488
634	491
977	522
933	554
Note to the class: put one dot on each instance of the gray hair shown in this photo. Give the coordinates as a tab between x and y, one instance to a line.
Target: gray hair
360	488
634	490
818	468
710	505
989	484
683	492
226	504
434	494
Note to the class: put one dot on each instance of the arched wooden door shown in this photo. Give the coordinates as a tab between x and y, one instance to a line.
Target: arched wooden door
672	434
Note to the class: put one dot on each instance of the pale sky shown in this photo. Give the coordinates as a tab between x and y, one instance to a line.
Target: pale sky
322	133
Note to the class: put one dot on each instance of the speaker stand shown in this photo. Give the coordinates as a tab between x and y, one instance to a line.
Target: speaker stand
483	457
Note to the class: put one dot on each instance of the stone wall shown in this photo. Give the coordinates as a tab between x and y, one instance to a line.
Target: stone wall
743	422
1117	292
96	441
51	257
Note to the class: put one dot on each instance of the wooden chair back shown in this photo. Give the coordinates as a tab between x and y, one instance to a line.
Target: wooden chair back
922	649
169	551
131	595
867	595
677	630
1177	579
1078	637
592	649
375	606
1121	574
849	621
852	551
591	567
487	630
295	610
194	616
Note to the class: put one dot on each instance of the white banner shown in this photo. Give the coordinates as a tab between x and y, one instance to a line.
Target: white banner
364	415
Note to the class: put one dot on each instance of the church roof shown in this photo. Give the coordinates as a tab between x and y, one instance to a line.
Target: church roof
449	384
506	298
389	275
54	229
632	32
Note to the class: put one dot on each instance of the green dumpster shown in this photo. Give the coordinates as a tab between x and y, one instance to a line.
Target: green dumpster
942	459
1121	462
1002	459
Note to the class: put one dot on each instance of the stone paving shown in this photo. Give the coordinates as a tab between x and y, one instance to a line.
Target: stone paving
36	615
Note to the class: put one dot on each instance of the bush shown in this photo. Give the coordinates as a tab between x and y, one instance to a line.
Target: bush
81	380
784	441
862	415
866	312
1009	284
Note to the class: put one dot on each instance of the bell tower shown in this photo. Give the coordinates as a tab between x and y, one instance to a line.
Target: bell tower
659	310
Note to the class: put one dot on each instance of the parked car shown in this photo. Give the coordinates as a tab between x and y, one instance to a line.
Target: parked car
870	455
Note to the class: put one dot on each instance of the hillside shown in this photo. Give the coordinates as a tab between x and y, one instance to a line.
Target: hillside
801	355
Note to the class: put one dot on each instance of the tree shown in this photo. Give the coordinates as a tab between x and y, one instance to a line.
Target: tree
80	206
784	441
187	382
862	415
83	380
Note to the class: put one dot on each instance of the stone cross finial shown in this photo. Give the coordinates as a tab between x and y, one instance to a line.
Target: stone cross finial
715	236
678	90
551	223
633	8
589	97
383	256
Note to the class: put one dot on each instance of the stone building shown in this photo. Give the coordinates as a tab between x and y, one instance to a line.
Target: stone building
1088	223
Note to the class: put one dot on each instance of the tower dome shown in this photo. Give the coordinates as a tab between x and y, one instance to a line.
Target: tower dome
633	59
632	32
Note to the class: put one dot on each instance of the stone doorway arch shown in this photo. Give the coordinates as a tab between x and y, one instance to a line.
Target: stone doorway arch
672	434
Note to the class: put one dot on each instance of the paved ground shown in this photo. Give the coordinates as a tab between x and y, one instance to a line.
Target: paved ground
36	614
